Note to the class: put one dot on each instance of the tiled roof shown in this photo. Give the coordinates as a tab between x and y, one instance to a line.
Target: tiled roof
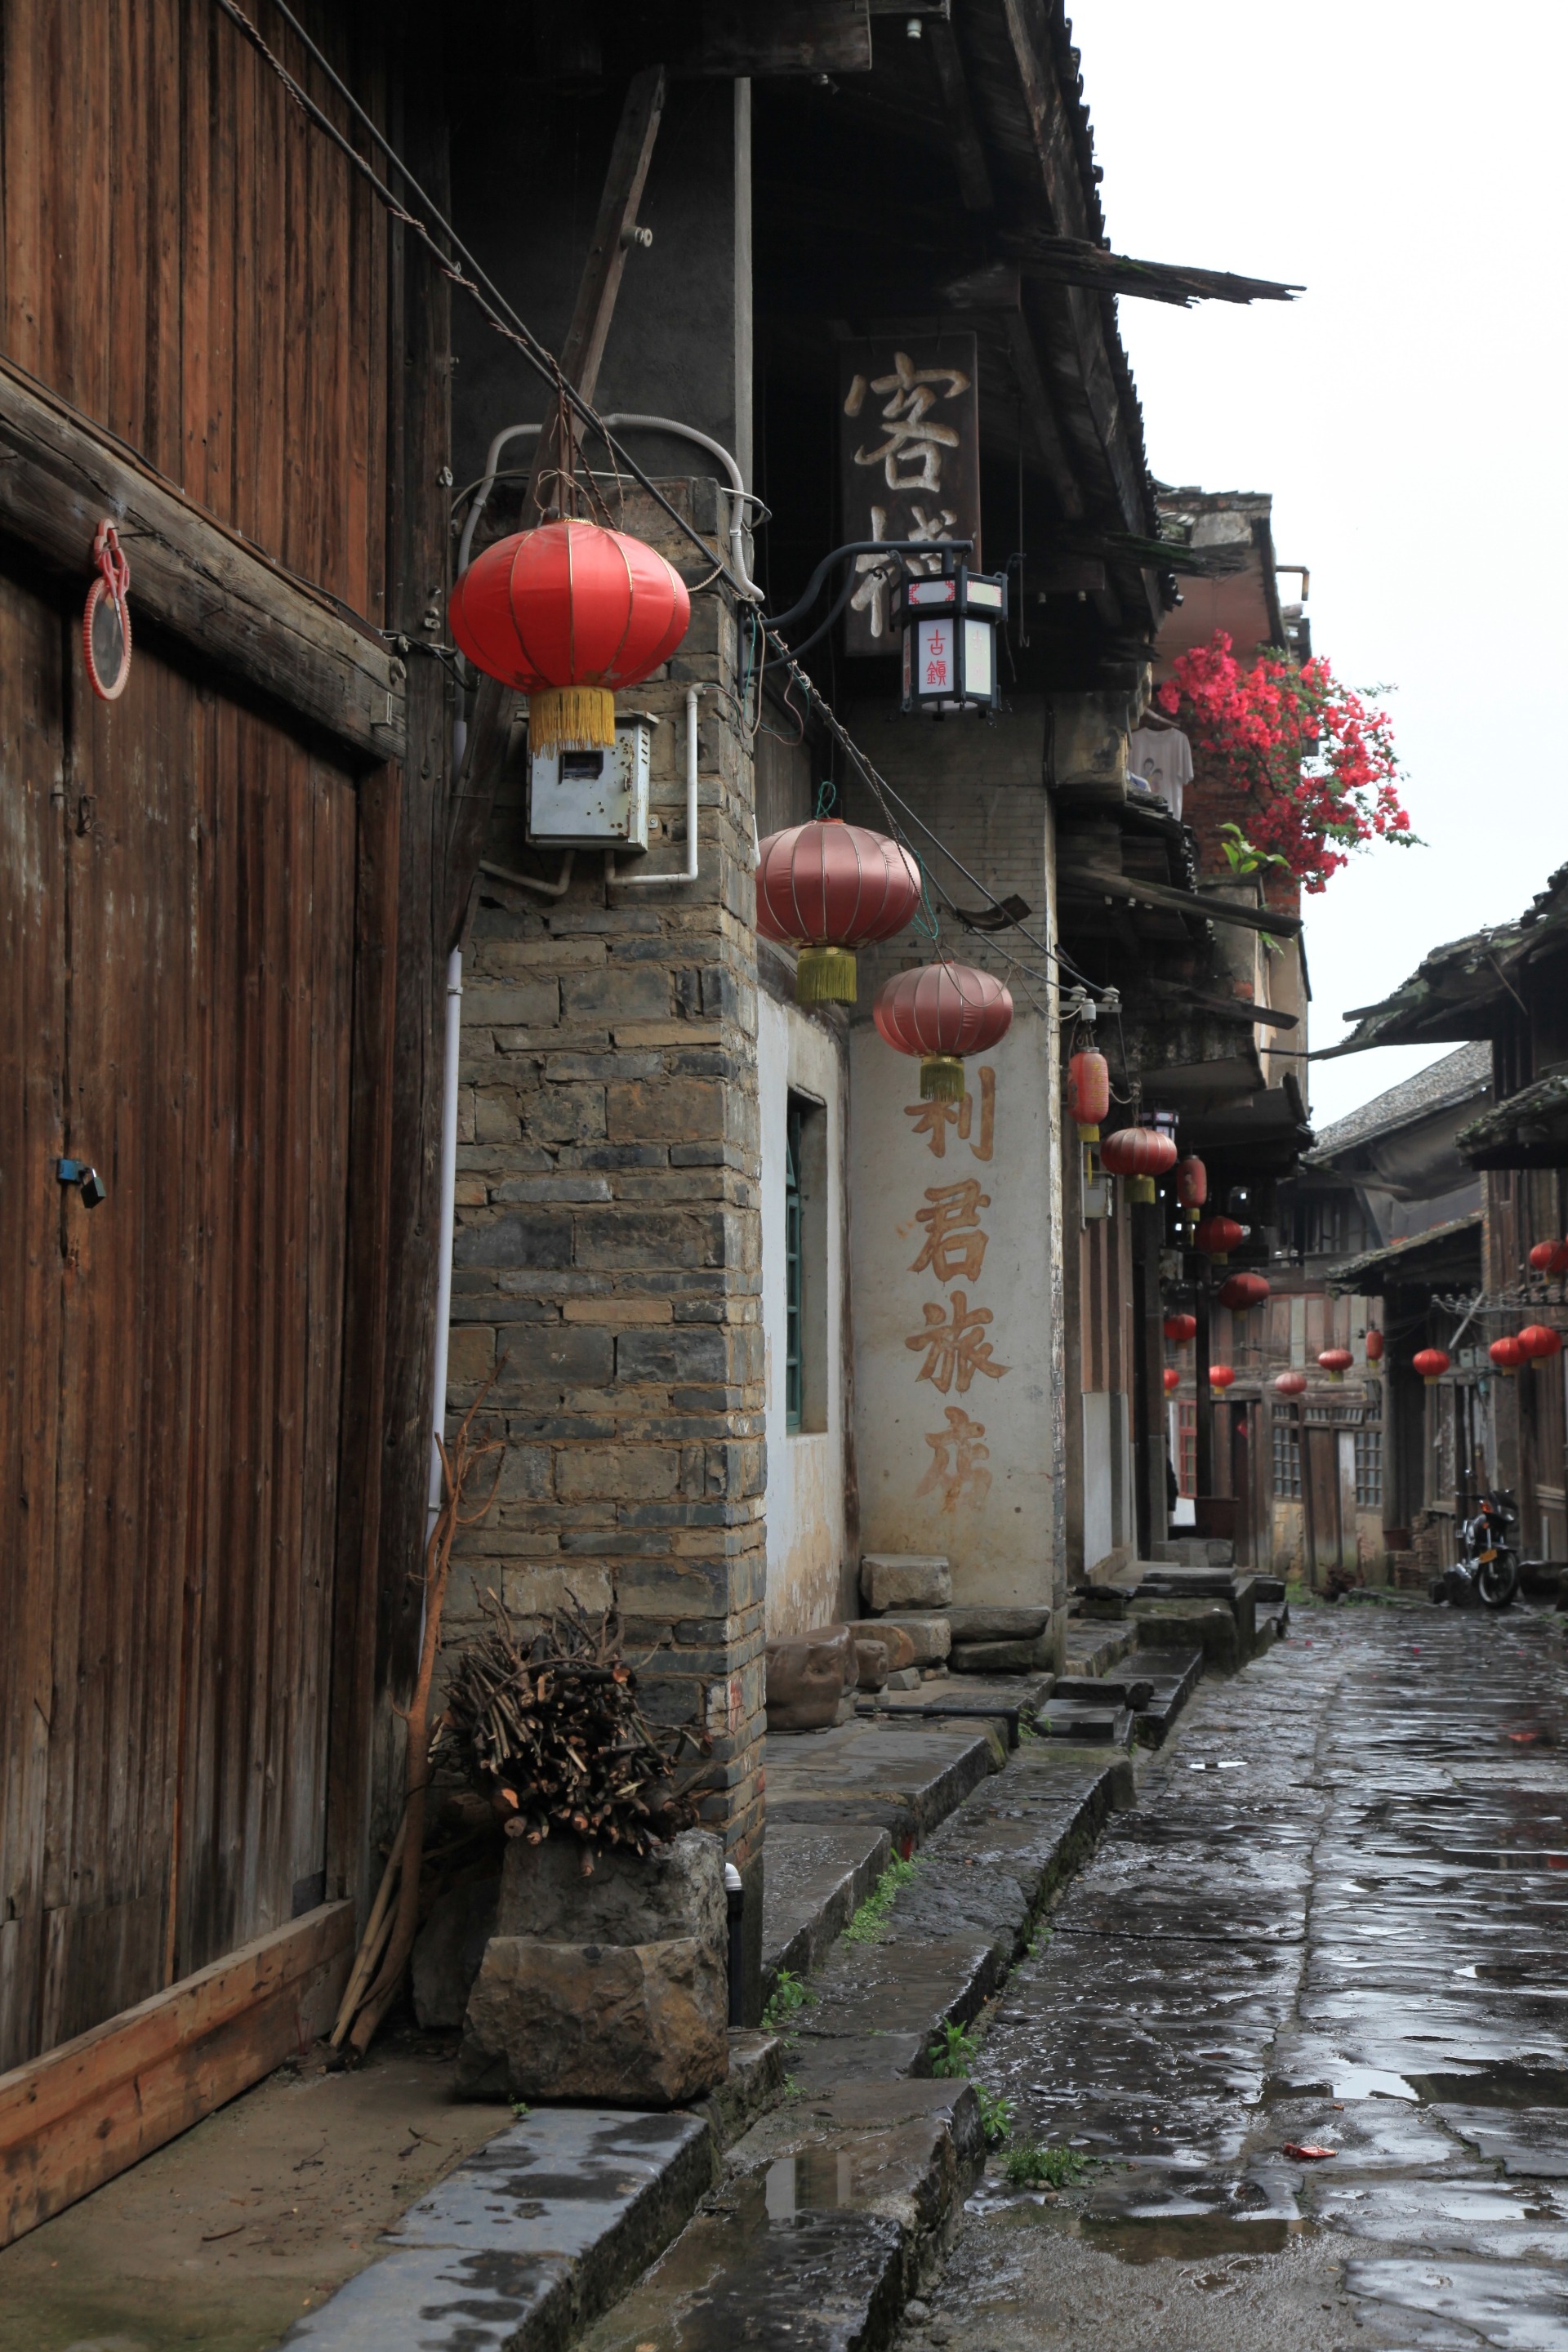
1454	1079
1354	1270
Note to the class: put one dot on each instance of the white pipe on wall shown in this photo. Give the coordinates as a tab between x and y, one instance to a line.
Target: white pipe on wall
449	1219
736	487
688	872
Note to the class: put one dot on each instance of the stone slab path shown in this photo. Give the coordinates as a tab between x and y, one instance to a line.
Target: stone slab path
1337	1917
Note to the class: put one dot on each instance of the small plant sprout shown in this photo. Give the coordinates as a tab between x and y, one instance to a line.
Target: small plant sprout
1030	2166
954	2053
789	1994
995	2116
870	1922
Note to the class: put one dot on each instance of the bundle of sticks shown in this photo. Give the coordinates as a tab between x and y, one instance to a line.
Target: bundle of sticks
548	1726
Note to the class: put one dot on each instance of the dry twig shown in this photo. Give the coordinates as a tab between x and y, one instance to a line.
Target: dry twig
549	1727
458	1467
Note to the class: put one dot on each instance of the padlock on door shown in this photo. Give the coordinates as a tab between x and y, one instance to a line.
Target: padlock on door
86	1179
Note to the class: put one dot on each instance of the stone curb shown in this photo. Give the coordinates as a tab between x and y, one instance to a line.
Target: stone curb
839	2202
532	2238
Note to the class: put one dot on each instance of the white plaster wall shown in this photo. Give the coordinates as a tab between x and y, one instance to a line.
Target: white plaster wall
1109	1511
925	1486
805	1491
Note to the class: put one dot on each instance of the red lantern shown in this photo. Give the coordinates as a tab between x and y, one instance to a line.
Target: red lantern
1192	1185
1507	1354
1173	1380
1139	1153
1375	1347
1241	1292
1221	1376
567	613
1550	1257
941	1012
1538	1342
1180	1329
1431	1363
1292	1384
829	887
1336	1363
1089	1093
1217	1236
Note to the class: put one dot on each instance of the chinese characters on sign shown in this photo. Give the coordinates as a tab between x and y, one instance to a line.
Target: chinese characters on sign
958	1472
953	1343
910	461
935	1118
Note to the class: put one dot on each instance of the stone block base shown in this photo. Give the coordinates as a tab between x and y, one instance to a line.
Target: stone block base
633	2025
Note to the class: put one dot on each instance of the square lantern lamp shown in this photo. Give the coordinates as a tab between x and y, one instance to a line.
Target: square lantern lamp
949	624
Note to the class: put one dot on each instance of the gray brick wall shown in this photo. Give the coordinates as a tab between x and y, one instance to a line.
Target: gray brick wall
608	1241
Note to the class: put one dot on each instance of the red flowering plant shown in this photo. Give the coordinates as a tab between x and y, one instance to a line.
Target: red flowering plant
1312	760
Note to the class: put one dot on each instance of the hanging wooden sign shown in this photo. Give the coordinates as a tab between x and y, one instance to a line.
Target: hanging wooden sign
909	443
106	618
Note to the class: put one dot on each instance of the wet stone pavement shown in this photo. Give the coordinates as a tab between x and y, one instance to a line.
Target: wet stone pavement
1338	1917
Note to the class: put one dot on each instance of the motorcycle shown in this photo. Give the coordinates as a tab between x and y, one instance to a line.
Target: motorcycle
1487	1567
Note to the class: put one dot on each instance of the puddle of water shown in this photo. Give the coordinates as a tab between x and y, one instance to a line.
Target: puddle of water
1190	2237
1498	2087
1371	2083
819	2180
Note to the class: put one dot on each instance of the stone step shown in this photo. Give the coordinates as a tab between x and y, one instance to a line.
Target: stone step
816	1880
1197	1552
1175	1674
1207	1626
1089	1727
1159	1582
817	2239
527	2241
836	2203
1093	1648
978	1698
879	1773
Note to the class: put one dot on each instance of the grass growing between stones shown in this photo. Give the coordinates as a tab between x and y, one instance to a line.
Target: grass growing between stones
790	1994
995	2116
954	2053
1030	2166
871	1921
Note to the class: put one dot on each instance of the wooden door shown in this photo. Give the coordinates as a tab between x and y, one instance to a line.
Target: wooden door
180	944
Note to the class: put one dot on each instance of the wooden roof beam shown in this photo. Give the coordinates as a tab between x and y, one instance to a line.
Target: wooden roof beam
1074	261
974	188
1041	413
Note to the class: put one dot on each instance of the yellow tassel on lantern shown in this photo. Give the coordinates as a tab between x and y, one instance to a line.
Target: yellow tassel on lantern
572	719
1141	1189
824	976
941	1078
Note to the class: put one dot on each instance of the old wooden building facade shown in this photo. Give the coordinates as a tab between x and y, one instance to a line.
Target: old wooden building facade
746	1307
1472	1281
224	900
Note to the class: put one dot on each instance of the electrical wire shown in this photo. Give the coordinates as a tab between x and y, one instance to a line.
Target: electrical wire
499	314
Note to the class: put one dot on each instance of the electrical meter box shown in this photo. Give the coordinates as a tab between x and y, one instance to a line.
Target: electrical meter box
593	800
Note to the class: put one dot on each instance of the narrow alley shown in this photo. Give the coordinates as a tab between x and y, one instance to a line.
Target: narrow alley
1335	1919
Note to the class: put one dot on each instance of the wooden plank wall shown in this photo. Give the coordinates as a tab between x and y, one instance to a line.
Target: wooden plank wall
222	956
172	1359
191	264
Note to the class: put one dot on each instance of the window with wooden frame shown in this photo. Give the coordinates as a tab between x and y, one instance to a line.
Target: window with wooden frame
1186	1448
1369	1469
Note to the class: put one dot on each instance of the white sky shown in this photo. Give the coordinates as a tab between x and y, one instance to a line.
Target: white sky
1404	160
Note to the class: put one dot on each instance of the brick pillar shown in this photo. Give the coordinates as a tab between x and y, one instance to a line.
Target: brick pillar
608	1241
